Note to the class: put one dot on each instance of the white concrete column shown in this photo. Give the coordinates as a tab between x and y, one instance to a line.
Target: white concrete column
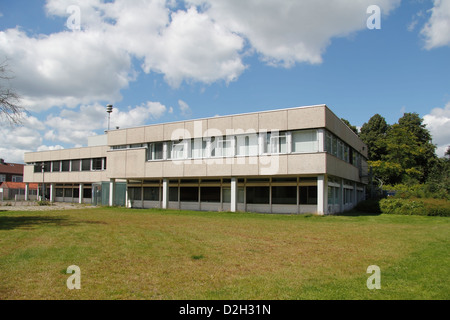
52	192
322	194
127	197
165	194
234	194
80	193
112	192
27	190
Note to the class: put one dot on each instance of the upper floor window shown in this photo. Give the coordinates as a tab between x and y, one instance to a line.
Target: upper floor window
198	148
155	151
276	142
56	166
305	141
65	165
97	164
17	179
178	150
247	145
225	147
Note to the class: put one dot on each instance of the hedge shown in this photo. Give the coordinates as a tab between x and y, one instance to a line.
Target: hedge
424	207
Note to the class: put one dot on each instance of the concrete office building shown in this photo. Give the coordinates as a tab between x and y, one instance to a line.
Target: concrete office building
297	160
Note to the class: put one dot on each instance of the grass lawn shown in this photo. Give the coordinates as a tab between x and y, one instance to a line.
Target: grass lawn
155	254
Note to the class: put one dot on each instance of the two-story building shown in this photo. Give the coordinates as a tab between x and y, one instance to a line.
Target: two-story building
297	160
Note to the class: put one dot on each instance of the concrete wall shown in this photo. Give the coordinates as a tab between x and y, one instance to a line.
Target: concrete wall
131	163
335	125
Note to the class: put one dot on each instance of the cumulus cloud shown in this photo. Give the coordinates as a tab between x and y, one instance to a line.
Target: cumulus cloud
193	41
436	31
138	116
291	31
185	110
50	148
65	69
75	126
186	41
16	140
438	122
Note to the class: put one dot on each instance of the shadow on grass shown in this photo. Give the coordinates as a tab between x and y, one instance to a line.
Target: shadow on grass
369	207
11	223
355	213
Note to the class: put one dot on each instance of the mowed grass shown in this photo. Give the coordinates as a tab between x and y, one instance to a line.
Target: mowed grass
155	254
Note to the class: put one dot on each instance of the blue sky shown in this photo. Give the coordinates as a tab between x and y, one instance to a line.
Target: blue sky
161	61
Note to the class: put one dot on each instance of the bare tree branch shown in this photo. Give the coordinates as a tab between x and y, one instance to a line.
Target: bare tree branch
10	107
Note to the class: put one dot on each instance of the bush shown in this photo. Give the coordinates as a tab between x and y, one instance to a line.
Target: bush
427	190
44	203
424	207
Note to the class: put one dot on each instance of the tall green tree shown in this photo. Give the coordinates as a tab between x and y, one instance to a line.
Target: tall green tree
427	158
373	134
400	153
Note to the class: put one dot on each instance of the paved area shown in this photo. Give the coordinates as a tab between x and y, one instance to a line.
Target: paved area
32	206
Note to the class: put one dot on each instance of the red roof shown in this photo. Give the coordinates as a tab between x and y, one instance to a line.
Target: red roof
13	168
18	185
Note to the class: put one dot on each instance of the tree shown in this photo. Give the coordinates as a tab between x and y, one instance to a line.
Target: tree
10	108
353	128
401	153
373	134
426	158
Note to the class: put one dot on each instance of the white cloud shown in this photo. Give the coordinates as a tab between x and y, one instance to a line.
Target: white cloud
194	47
184	108
206	42
290	31
66	68
75	126
438	122
16	140
50	148
137	116
436	31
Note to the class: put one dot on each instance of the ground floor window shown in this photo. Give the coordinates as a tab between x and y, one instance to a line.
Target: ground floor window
334	195
87	193
258	195
173	194
68	193
151	193
59	192
189	194
134	193
308	195
284	195
348	196
226	194
210	194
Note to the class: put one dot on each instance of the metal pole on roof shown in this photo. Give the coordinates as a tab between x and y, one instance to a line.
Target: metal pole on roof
109	110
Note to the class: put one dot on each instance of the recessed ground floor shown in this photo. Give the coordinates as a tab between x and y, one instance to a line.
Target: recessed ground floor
319	194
